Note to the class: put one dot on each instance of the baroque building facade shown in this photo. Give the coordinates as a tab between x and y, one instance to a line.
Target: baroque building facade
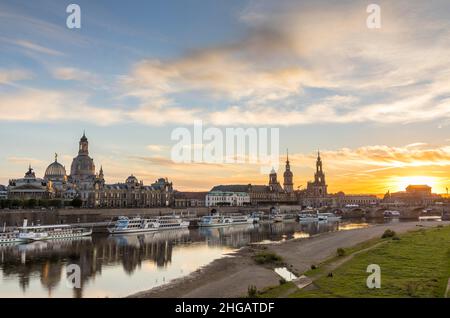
84	183
273	193
30	187
316	192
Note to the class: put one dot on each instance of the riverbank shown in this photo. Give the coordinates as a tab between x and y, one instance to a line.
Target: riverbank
413	264
231	276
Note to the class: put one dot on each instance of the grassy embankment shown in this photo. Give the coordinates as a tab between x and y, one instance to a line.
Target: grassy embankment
415	264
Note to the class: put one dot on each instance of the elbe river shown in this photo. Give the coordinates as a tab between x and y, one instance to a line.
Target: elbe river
120	265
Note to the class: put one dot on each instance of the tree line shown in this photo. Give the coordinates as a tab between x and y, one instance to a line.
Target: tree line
39	203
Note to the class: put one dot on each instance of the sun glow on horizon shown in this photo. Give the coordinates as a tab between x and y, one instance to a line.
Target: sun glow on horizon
400	183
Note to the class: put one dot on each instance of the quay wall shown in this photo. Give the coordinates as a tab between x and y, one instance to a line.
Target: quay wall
15	217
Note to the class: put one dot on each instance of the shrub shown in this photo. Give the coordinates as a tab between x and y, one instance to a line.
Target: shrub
411	289
76	203
252	291
340	251
388	233
267	258
283	281
396	238
313	266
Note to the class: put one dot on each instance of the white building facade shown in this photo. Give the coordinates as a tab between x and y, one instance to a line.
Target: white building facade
3	192
224	198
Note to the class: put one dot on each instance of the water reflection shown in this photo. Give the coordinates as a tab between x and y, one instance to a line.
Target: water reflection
114	266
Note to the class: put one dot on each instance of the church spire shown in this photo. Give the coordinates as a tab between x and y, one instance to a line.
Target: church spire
84	145
288	176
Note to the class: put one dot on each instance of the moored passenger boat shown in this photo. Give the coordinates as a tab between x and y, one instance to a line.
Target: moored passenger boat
138	225
243	219
391	214
328	216
10	238
308	217
215	220
51	232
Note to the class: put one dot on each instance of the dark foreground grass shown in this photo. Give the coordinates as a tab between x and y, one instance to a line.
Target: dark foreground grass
417	265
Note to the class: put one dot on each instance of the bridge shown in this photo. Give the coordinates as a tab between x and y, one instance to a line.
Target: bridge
406	212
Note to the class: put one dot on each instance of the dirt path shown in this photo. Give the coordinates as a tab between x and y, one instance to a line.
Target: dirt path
231	276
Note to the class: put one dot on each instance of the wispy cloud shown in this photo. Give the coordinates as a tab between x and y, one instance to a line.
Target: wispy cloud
74	74
8	76
24	160
36	47
47	105
157	148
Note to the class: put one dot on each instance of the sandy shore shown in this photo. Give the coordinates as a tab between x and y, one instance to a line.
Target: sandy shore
231	276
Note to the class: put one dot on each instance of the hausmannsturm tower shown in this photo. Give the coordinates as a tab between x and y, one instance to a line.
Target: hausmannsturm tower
288	176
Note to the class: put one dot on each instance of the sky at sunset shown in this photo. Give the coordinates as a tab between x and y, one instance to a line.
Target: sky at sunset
376	102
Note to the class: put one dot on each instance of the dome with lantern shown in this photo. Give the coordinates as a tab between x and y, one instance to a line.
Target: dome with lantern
55	171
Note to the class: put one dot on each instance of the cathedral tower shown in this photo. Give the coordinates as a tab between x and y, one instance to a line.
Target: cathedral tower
273	177
319	178
288	184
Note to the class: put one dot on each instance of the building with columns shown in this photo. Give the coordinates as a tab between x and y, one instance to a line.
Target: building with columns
30	187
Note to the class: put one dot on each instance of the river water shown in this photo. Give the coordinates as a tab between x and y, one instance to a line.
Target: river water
117	266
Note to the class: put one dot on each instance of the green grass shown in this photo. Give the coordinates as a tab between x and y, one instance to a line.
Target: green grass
277	291
417	265
270	258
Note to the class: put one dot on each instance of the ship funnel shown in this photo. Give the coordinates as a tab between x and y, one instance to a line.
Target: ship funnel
25	222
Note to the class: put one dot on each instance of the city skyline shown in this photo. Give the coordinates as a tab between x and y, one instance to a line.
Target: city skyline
375	102
398	184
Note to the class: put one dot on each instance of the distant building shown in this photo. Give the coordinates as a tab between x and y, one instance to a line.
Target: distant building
315	194
82	174
341	200
3	192
288	183
132	193
414	195
55	174
273	193
84	183
189	199
223	198
29	187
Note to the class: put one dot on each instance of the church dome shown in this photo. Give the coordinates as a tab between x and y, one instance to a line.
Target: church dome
132	179
55	170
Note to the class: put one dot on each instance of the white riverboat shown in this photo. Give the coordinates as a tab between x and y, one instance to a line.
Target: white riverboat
10	238
257	216
50	232
243	219
308	217
277	217
215	220
430	218
328	216
391	214
138	225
